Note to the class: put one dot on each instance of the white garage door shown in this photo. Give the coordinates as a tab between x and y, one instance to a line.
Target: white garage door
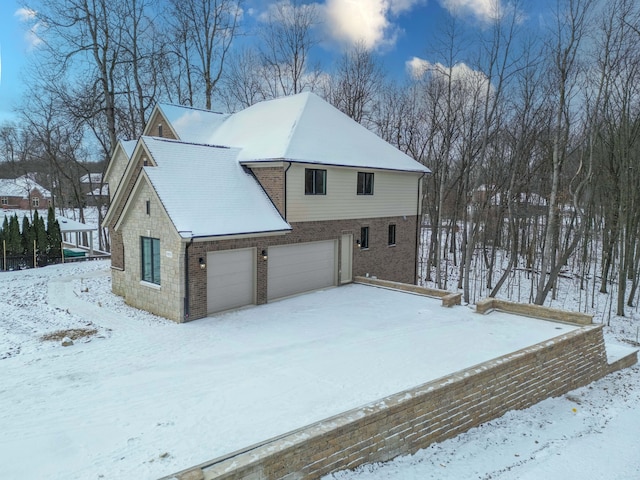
230	279
300	268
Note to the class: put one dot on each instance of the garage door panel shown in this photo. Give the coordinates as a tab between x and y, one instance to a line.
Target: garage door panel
230	279
301	267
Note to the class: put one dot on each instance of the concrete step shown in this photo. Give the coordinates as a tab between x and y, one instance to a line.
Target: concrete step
621	356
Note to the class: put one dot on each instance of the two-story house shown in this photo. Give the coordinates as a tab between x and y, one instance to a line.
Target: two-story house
217	211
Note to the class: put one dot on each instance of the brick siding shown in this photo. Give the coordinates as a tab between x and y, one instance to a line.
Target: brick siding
272	181
396	263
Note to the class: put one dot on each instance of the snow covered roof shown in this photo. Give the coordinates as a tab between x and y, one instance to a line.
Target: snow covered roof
305	128
97	192
21	187
67	225
302	128
192	124
234	203
128	146
93	178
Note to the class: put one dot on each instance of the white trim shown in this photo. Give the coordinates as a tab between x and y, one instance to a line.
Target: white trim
154	286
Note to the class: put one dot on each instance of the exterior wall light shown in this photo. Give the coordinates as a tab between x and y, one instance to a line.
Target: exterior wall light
264	254
202	264
358	243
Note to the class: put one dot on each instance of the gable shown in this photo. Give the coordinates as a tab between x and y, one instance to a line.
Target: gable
120	194
118	164
159	126
187	124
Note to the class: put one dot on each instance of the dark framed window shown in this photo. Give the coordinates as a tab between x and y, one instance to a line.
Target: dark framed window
35	202
315	181
365	183
364	237
392	234
5	200
150	256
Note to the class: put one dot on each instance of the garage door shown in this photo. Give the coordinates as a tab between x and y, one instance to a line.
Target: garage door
300	268
230	279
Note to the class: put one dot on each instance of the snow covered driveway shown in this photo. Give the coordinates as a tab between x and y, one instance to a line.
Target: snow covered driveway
145	397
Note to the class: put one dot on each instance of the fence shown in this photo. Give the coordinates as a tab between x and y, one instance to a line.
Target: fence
21	262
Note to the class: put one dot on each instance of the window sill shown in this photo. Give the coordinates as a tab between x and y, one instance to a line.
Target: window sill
154	286
391	245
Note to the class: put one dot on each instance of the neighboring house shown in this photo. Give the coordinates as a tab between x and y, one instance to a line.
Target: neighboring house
215	211
23	193
94	191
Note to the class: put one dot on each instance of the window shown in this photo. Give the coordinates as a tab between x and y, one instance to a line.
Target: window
150	249
5	200
35	202
148	205
365	183
364	237
392	234
315	181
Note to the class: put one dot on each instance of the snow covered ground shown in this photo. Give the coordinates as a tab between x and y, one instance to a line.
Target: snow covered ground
142	397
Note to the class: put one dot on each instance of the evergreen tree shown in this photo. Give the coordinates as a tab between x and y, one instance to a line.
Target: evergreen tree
54	235
3	232
14	238
40	233
27	236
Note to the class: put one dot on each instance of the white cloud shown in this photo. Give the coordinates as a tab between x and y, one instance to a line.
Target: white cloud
460	72
417	67
485	10
27	15
367	21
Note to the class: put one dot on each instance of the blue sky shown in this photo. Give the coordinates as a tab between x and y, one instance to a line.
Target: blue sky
398	30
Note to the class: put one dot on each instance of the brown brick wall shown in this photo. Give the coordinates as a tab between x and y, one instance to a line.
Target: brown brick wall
403	423
272	181
395	263
117	250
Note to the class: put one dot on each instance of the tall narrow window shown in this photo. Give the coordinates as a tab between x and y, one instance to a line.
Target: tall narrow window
365	183
364	237
392	234
148	204
150	256
315	181
35	202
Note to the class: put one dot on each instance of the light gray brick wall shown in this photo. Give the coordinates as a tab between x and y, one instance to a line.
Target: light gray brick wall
165	299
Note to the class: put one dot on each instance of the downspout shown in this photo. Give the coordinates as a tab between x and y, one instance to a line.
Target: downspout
285	191
186	279
418	231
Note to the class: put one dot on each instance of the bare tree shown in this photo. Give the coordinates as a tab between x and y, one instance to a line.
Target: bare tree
356	83
205	30
572	22
243	83
287	37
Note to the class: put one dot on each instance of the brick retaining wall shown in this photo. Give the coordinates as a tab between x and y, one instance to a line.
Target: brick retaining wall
408	421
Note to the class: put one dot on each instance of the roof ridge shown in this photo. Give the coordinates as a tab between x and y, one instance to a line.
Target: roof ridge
298	118
187	107
183	142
